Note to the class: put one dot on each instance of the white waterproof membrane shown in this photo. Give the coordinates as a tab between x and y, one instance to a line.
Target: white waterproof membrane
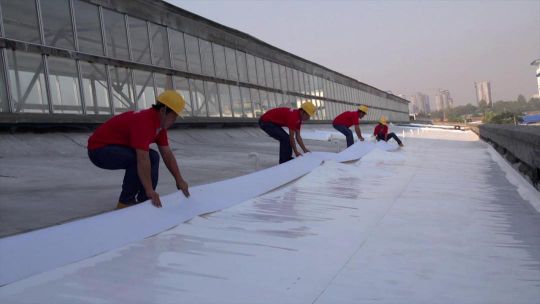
435	222
36	251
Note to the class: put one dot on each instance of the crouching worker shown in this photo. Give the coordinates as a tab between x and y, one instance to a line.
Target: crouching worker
345	120
123	142
273	120
381	132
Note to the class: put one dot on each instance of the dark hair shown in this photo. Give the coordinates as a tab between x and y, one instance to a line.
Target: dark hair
159	105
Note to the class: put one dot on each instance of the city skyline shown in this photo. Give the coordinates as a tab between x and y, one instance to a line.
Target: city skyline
400	46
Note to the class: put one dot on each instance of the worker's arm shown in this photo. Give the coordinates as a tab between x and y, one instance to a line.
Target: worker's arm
172	165
143	170
293	143
300	141
358	132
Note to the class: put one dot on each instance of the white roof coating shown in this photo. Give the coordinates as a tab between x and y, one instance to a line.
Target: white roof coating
443	220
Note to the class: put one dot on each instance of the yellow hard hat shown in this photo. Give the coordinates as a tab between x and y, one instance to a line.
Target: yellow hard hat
363	108
383	120
309	108
173	100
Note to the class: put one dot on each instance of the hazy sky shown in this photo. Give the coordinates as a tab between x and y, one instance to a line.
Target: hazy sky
401	46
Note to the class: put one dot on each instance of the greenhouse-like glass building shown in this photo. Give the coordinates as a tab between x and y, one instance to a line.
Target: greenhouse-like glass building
75	61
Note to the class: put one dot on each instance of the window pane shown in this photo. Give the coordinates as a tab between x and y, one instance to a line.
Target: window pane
257	108
140	45
4	103
211	94
283	74
219	60
242	67
265	103
206	57
315	86
88	27
252	70
308	84
272	99
178	50
20	20
193	57
246	101
95	88
296	86
115	33
27	82
323	112
121	89
311	85
160	45
57	26
326	89
162	82
288	72
230	57
333	112
198	99
144	89
64	85
302	82
275	75
292	101
268	74
281	101
236	101
182	86
260	72
225	100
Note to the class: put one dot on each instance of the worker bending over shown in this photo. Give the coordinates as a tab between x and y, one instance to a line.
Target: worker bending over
273	120
345	120
123	142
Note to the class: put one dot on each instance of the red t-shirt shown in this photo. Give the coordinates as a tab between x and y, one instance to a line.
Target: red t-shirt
284	117
347	119
133	129
380	129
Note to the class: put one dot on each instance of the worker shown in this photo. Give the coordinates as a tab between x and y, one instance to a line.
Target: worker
123	141
345	120
381	132
273	120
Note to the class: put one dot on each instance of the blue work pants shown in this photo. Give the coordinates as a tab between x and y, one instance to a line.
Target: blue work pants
347	132
277	132
114	157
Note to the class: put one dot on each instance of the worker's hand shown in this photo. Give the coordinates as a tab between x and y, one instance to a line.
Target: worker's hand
306	151
298	154
361	139
154	196
182	185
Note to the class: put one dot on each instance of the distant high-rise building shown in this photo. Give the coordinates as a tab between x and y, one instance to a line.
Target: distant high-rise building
483	92
419	103
443	100
537	64
439	105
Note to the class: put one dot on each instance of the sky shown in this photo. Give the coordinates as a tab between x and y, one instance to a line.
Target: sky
400	46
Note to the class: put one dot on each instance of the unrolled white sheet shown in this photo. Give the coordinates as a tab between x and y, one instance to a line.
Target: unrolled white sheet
37	251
